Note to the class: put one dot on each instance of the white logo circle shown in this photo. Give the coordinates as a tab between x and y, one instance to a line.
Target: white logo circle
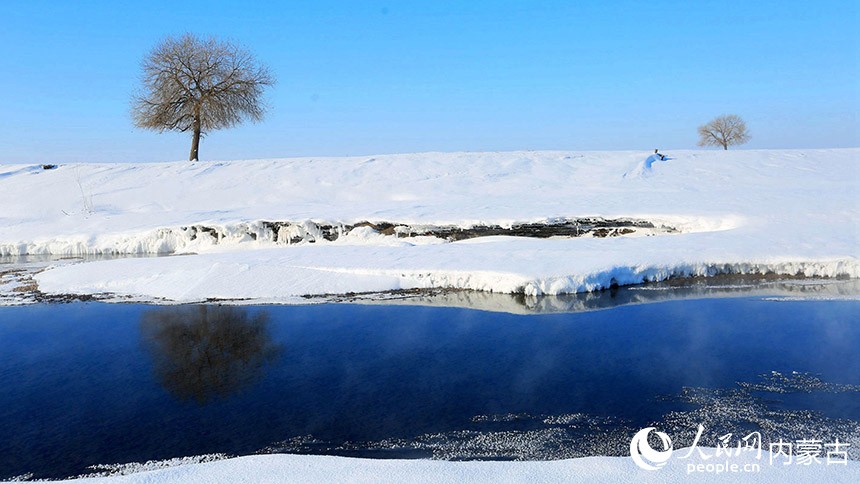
644	456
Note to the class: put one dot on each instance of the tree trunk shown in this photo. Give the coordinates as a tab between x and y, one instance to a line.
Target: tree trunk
195	143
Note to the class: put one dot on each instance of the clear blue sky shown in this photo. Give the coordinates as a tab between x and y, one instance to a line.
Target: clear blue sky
368	77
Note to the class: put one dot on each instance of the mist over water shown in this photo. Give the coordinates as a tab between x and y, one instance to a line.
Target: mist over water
91	383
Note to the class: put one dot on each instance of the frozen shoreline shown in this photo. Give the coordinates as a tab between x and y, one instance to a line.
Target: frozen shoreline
311	469
786	212
509	266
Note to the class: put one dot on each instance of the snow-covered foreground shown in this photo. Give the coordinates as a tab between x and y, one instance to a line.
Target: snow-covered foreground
789	212
313	469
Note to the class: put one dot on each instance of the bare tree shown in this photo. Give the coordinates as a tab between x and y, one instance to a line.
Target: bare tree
199	85
726	130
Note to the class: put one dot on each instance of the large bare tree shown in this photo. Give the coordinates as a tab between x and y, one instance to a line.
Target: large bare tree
726	130
199	85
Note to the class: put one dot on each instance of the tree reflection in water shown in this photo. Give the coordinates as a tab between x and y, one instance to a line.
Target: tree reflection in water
206	352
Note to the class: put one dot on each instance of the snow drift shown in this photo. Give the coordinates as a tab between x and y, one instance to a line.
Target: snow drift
783	211
312	468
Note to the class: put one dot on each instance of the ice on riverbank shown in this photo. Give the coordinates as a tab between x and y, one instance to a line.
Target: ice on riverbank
309	469
772	211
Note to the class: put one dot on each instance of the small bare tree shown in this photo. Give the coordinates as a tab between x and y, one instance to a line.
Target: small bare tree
726	130
199	85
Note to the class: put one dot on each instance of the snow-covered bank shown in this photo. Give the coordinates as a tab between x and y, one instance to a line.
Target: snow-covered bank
266	233
313	469
783	211
770	288
504	264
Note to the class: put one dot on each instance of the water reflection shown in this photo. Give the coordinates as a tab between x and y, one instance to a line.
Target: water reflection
416	381
203	353
678	289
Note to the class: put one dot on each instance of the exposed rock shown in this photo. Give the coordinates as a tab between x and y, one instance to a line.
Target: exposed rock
308	231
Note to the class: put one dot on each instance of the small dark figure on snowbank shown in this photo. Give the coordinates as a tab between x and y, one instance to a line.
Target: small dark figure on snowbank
659	155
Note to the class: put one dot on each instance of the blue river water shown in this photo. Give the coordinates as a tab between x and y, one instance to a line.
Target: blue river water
92	383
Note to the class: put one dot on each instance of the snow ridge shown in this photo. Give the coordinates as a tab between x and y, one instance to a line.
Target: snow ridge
263	233
625	276
643	169
732	212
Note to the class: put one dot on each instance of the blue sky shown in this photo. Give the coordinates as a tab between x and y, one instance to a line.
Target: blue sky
369	77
